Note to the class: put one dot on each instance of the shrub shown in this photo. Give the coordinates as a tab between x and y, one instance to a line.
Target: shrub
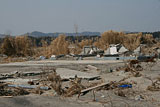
8	46
59	46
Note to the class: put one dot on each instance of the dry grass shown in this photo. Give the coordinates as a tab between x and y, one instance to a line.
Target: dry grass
12	59
130	41
23	46
155	85
11	91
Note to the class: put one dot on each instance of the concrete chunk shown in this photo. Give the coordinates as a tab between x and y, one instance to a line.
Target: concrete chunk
69	74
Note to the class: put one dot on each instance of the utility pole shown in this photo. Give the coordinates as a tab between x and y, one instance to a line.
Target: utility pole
76	29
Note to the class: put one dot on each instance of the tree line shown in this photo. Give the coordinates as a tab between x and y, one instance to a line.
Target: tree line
47	46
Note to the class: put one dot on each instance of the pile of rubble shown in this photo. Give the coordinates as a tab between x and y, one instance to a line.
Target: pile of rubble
133	67
50	80
155	86
69	83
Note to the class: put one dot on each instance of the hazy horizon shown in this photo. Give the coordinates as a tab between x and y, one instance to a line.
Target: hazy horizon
48	16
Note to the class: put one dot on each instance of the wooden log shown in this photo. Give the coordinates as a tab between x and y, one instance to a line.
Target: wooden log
92	67
92	88
6	96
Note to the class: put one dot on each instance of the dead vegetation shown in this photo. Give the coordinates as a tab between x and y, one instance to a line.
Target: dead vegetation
59	46
25	46
54	81
155	86
12	59
18	46
130	41
132	66
8	91
75	87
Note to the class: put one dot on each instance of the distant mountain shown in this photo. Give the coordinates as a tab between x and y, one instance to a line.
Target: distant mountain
41	34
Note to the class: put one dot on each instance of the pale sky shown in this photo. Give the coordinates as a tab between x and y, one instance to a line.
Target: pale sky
22	16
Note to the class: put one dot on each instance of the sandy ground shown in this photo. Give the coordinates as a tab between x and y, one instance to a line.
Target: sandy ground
77	65
103	98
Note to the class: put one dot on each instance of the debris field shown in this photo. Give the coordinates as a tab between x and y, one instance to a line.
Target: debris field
81	83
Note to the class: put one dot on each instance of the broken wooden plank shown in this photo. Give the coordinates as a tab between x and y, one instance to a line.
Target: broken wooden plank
94	87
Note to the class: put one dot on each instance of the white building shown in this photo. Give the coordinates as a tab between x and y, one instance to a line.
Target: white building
115	49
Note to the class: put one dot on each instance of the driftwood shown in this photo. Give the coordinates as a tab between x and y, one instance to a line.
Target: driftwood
94	87
92	67
6	96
